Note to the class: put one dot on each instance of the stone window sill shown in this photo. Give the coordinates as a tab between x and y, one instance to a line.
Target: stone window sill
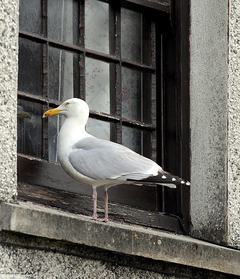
32	219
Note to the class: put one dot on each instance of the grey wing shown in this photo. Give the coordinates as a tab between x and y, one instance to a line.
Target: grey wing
101	159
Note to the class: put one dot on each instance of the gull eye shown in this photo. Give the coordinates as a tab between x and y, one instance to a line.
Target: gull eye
67	103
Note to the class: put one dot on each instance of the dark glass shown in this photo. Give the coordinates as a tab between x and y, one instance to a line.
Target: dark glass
97	25
97	85
54	125
63	74
30	15
150	99
131	94
131	35
149	57
132	138
149	144
29	118
30	67
148	41
137	37
63	21
98	128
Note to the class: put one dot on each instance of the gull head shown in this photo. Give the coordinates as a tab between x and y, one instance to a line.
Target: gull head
71	108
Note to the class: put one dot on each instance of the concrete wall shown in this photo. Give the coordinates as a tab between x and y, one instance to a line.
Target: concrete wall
215	120
40	264
234	125
64	260
209	99
8	97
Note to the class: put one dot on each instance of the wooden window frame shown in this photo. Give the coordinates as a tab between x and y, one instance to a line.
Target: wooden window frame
173	39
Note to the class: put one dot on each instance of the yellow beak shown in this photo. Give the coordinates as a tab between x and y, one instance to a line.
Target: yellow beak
51	112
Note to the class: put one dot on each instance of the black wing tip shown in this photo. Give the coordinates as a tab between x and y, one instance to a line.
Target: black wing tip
166	177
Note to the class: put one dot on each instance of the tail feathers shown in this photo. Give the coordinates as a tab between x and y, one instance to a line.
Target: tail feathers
167	178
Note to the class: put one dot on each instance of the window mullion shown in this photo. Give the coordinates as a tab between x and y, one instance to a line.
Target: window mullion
115	70
112	70
45	78
118	73
82	87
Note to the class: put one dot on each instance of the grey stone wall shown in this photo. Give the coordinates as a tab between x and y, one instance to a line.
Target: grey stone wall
63	260
8	97
42	264
215	120
234	125
209	99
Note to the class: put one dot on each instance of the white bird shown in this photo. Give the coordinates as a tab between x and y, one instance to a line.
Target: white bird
95	161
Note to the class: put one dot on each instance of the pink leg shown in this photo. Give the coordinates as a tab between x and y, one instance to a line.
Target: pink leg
106	206
94	196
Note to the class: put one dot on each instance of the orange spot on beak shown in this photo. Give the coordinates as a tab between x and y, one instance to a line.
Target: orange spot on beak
51	112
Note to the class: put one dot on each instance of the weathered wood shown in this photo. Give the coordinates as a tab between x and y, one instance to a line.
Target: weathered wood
82	204
43	173
158	5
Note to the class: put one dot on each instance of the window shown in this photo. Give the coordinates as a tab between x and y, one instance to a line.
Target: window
128	60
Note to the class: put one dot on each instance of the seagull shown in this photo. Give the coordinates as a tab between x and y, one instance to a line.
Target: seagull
99	162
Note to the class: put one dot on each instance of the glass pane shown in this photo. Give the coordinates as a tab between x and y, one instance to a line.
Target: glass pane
131	38
149	144
54	125
29	128
63	21
132	138
30	16
98	128
97	85
97	25
149	39
131	94
63	74
30	67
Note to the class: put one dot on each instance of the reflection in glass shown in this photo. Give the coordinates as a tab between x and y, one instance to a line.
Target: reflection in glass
97	85
131	38
131	94
30	67
54	125
149	57
63	21
132	138
98	128
97	25
30	16
29	128
63	74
